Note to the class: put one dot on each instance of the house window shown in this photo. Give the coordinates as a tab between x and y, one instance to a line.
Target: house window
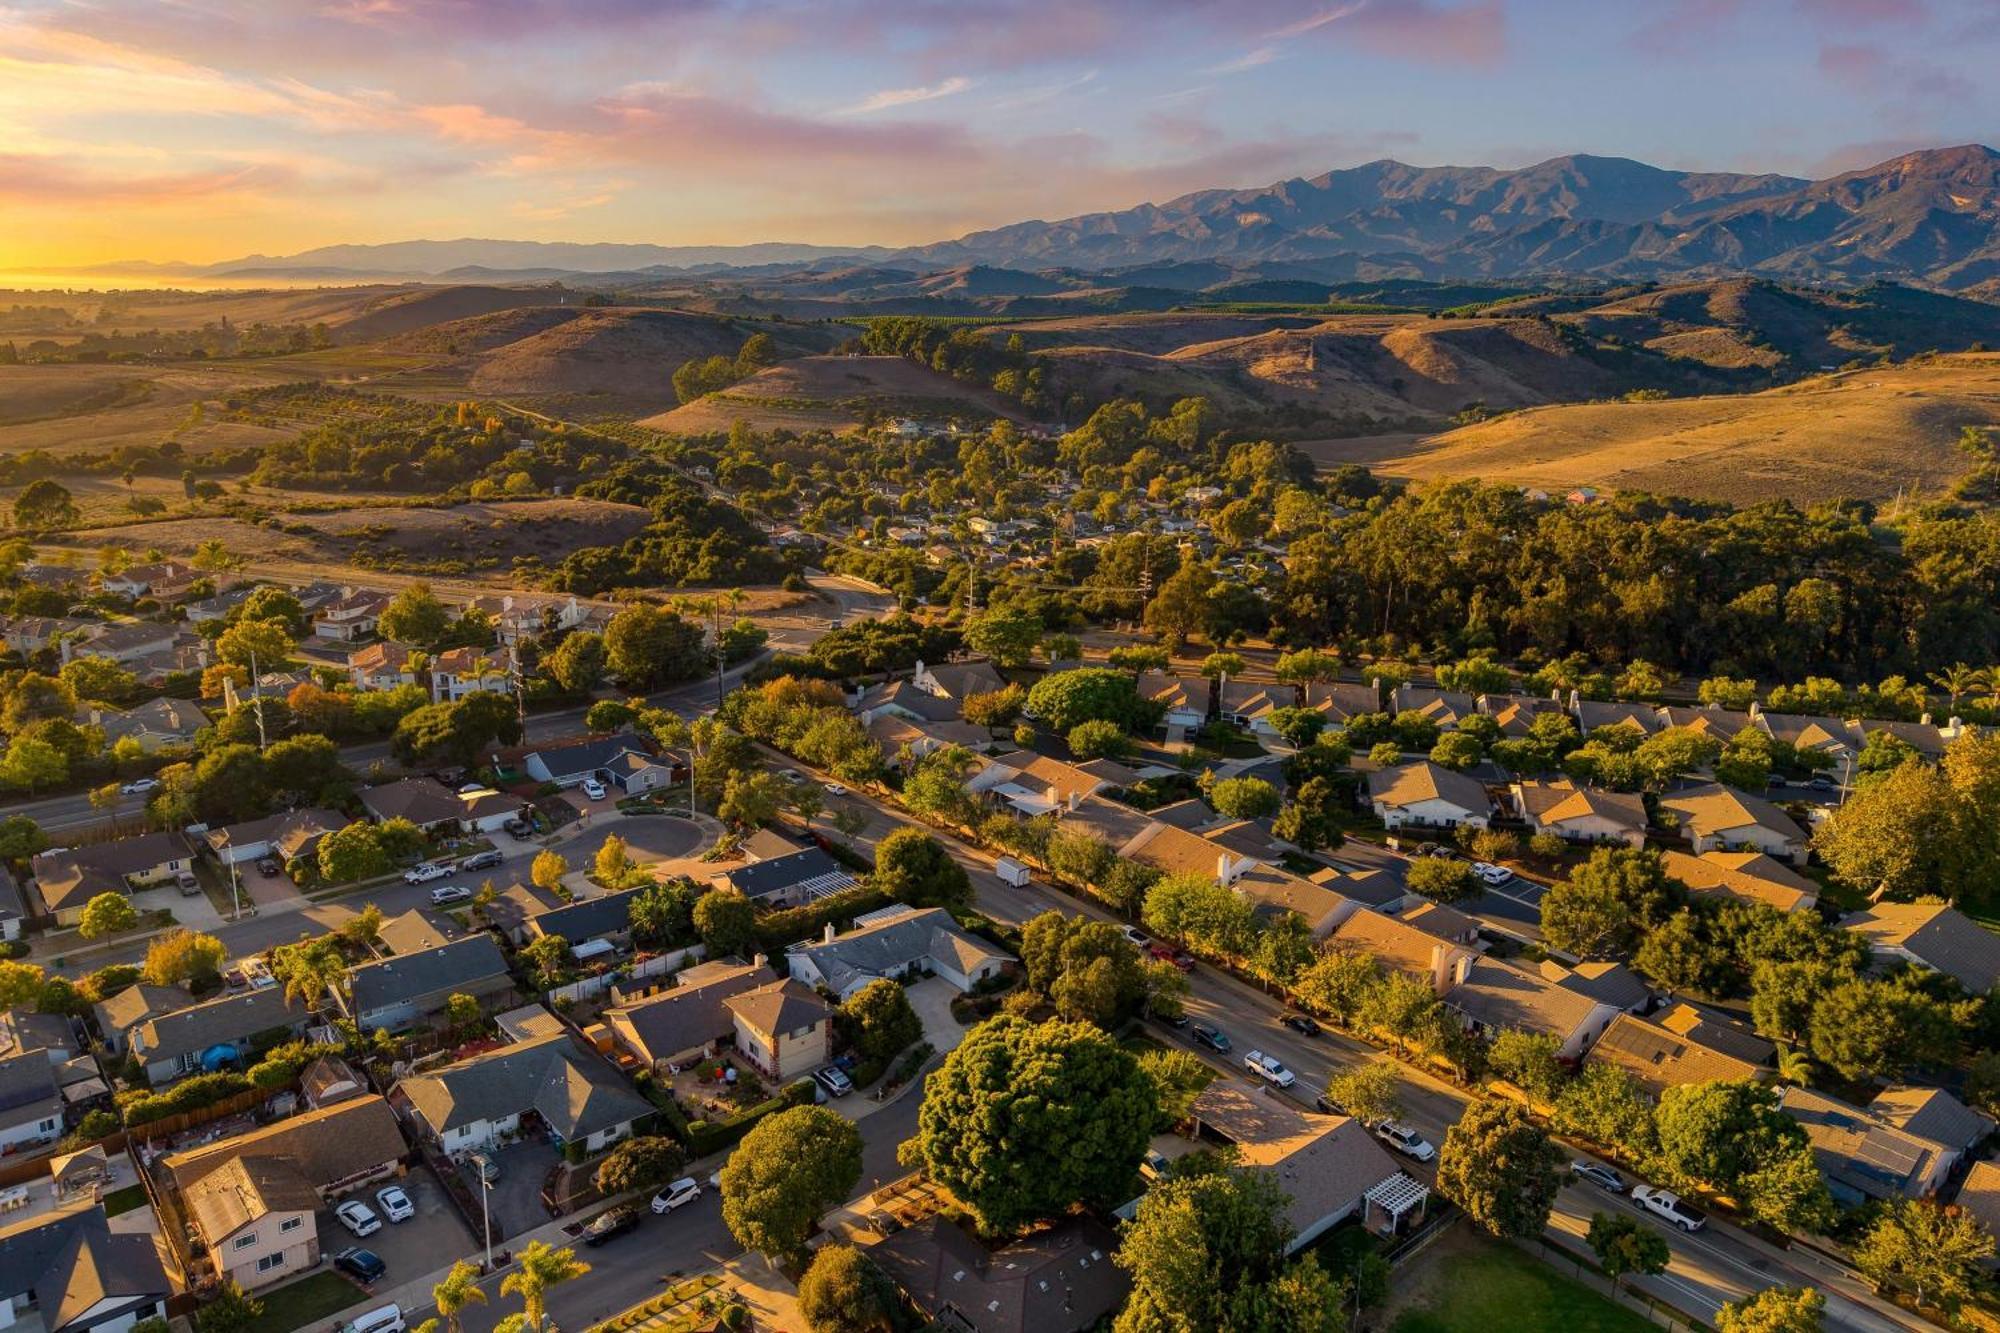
271	1261
291	1224
244	1242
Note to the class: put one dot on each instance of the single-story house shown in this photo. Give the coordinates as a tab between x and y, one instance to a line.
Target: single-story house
1421	794
1184	699
425	802
1933	935
1058	1279
154	725
606	916
1401	948
1928	738
69	878
1934	1114
783	1028
1750	877
287	836
413	988
214	1034
1325	1164
1716	723
487	810
138	580
1271	890
480	1101
902	698
1835	738
414	931
895	942
31	1105
512	907
1864	1156
1581	814
1339	702
54	1035
1248	703
623	760
1035	784
1515	714
1718	1032
118	1014
1594	714
380	666
124	643
1660	1059
1174	851
786	881
1493	997
1713	816
957	681
686	1021
1607	983
1444	707
895	734
69	1266
1979	1195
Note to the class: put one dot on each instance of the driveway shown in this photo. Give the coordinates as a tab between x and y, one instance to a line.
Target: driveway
435	1238
932	998
516	1200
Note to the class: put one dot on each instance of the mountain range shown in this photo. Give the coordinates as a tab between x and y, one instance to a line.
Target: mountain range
1930	217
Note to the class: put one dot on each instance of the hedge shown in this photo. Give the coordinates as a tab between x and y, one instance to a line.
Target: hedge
705	1137
777	929
190	1094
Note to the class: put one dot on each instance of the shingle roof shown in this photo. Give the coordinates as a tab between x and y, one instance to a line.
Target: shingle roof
72	1261
392	981
779	1006
1397	947
809	869
137	1003
1660	1059
231	1018
1608	983
1860	1153
1444	707
689	1015
1936	934
1342	700
1555	802
1188	692
572	1089
289	830
1717	1033
72	876
583	757
1811	733
588	918
1420	781
1274	890
1501	996
893	942
417	930
1714	810
961	679
1057	1280
27	1087
1175	851
244	1189
1594	713
1934	1114
1980	1194
1750	876
1324	1163
422	801
328	1146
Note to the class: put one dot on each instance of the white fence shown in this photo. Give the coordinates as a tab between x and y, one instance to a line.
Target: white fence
657	966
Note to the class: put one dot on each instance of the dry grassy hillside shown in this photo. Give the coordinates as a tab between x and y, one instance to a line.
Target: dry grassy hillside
68	409
481	333
832	393
1153	334
424	307
1863	433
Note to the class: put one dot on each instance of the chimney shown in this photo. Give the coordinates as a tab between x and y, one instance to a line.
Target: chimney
827	937
1440	968
1574	700
1461	968
758	960
1222	874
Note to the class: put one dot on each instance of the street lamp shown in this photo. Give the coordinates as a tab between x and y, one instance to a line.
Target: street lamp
481	1164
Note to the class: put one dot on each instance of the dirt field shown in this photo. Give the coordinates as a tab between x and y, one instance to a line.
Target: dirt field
1863	433
830	393
95	409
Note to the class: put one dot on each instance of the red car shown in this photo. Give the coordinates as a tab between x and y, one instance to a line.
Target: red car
1167	953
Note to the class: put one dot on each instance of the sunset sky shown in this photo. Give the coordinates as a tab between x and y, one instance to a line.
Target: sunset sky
204	130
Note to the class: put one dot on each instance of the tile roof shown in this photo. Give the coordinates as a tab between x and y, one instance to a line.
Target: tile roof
573	1089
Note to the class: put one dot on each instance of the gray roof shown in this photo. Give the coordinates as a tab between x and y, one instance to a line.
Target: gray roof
72	1261
1501	996
422	801
1057	1280
447	968
891	944
1934	1114
1942	938
27	1088
587	756
572	1088
781	873
1862	1155
232	1018
690	1014
588	918
137	1003
29	1031
290	829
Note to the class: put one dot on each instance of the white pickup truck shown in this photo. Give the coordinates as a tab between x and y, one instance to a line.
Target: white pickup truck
1667	1204
1269	1068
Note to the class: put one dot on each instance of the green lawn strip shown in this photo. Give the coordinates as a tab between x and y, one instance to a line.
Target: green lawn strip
306	1301
125	1200
1497	1286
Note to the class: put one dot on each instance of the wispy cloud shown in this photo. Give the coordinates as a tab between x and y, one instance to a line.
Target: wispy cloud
890	98
1263	55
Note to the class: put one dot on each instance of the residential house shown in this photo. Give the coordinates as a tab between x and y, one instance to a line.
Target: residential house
1979	1195
31	1104
1176	851
118	1014
485	810
1718	724
512	907
604	920
285	836
902	698
1933	935
1607	983
1750	877
125	643
155	725
1838	740
1401	948
409	989
479	1102
214	1034
425	802
136	581
31	634
1442	923
13	907
1444	707
1246	703
897	736
1034	784
1935	1115
218	607
1421	794
623	760
1493	997
351	617
957	681
1326	1165
1110	822
1515	714
1057	1279
380	666
1339	701
1660	1059
783	1028
1613	715
1713	817
791	880
54	1035
1924	736
1272	891
896	942
1718	1032
68	1266
415	931
68	878
1581	813
518	619
1183	700
458	672
1863	1155
686	1021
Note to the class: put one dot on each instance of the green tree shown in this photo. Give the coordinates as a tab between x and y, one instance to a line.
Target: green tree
613	862
415	616
842	1291
266	643
1501	1168
639	1164
1244	798
1936	1252
107	914
462	1012
1370	1092
1005	634
647	647
21	838
1457	751
1098	739
540	1267
20	984
233	1310
577	664
788	1170
1623	1244
352	853
30	763
915	868
1774	1310
549	957
459	1290
1442	879
181	956
1195	910
1063	699
1733	1135
1529	1061
1605	1105
879	1022
1338	983
1025	1120
726	921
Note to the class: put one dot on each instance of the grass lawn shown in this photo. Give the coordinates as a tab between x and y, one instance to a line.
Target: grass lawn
125	1200
1494	1286
306	1301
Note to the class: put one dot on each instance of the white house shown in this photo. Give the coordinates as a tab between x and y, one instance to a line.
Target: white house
352	617
1714	816
895	942
1185	699
1581	814
1422	794
459	672
479	1102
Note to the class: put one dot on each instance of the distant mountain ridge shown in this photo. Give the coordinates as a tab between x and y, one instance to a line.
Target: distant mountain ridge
1930	217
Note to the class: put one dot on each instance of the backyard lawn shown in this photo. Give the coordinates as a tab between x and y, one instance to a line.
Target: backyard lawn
125	1200
1485	1285
307	1301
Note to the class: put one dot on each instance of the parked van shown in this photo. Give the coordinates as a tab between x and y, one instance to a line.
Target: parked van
386	1319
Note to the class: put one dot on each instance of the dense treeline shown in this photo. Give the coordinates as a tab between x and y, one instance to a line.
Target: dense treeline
963	354
692	540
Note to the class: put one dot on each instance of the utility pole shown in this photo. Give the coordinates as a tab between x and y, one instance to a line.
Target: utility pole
257	701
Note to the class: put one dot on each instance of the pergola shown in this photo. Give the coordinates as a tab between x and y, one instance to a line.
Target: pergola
1388	1204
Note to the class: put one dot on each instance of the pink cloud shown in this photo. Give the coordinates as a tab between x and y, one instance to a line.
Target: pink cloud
1864	11
1873	72
27	178
1681	27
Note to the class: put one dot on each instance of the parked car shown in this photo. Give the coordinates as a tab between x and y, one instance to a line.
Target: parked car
1154	1164
1269	1068
685	1190
449	893
1490	873
258	973
1301	1024
1599	1175
1667	1204
269	865
520	828
1822	782
1326	1105
190	887
1212	1037
1405	1141
593	789
485	860
793	776
1138	938
364	1266
424	872
139	787
835	1080
358	1217
395	1204
1167	953
488	1170
835	789
614	1222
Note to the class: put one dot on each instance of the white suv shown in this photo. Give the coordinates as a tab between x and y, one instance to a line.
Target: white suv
682	1191
1405	1141
1269	1068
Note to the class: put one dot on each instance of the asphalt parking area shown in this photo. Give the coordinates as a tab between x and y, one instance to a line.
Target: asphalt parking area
1517	900
516	1199
435	1238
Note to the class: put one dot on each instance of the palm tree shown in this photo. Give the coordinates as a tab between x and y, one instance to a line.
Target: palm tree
1959	680
541	1268
459	1289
